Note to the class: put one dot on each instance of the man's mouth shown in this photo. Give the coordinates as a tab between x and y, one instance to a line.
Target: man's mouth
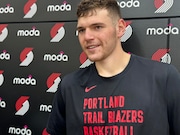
92	46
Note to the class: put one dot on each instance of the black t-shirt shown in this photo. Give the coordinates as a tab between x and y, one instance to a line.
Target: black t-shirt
144	99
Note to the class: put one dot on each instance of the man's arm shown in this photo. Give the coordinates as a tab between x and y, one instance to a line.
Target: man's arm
56	122
173	100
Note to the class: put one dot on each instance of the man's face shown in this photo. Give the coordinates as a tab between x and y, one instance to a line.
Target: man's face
98	35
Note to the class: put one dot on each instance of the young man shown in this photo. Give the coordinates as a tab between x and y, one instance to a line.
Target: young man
119	94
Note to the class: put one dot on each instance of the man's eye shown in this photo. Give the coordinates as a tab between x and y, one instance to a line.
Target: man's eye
80	30
98	27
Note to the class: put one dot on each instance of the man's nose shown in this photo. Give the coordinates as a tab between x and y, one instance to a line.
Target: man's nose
88	34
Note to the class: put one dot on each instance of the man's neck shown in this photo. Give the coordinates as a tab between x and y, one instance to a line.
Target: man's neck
112	67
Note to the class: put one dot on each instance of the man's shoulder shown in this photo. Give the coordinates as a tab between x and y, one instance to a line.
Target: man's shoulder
152	65
148	62
80	74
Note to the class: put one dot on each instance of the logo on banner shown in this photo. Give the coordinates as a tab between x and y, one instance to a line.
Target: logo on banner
84	60
59	57
45	108
22	105
57	32
2	103
45	132
128	32
26	57
19	131
7	9
24	81
56	8
53	82
162	55
3	32
4	55
160	31
129	4
25	33
163	6
30	8
1	77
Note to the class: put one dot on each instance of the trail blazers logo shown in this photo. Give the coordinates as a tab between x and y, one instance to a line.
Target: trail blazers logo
1	77
57	32
30	9
53	82
26	57
128	32
162	55
22	105
163	5
84	60
3	32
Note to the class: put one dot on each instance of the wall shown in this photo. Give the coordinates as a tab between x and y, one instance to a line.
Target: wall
38	46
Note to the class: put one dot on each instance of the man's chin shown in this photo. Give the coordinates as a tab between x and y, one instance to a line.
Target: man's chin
94	58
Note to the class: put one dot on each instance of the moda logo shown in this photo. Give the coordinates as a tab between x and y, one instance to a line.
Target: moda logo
22	105
45	132
162	55
57	32
30	9
160	31
26	57
84	60
129	4
163	6
45	108
25	81
128	32
4	55
53	82
3	32
56	8
1	77
31	33
19	131
59	57
2	103
7	9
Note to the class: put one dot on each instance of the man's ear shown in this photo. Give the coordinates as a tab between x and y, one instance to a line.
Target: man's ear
121	27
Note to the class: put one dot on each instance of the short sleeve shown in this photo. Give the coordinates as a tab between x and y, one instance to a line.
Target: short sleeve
173	98
56	123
